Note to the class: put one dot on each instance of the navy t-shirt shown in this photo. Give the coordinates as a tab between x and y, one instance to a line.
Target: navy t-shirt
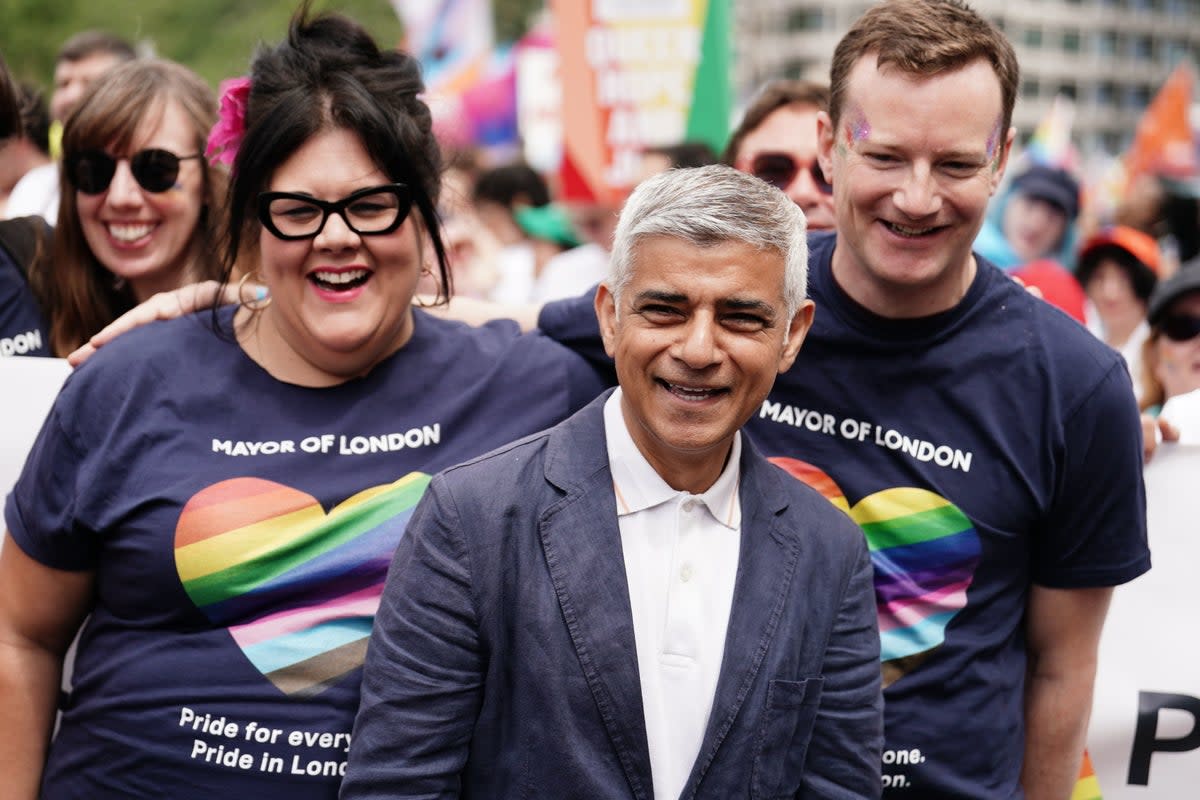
23	329
240	529
983	449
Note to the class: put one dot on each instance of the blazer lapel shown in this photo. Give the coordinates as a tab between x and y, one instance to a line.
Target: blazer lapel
582	542
767	561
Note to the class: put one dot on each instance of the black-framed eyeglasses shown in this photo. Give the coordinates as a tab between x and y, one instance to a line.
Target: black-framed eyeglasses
155	169
372	211
1181	327
780	169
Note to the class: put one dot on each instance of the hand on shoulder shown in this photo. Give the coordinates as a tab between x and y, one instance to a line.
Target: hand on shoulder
164	305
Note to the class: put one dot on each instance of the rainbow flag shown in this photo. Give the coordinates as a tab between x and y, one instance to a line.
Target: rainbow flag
1104	188
452	39
490	106
1051	141
470	83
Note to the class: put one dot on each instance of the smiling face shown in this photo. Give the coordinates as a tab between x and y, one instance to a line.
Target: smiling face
792	131
913	163
1033	227
341	301
149	239
700	334
1110	289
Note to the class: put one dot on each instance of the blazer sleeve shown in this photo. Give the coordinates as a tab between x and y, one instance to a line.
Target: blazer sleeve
572	322
423	673
846	749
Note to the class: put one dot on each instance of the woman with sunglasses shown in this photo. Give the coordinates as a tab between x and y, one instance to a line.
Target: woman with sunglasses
224	503
1171	354
140	205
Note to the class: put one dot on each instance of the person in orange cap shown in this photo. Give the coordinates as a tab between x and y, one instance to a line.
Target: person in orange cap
1119	268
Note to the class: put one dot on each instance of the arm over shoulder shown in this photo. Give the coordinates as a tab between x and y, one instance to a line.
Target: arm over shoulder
573	322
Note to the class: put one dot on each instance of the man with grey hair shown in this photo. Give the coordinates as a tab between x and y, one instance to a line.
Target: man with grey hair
635	603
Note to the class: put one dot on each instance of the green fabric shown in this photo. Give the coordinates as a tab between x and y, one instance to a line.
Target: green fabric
549	222
712	93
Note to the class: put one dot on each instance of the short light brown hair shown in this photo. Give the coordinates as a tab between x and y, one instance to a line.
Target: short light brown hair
924	38
90	43
773	96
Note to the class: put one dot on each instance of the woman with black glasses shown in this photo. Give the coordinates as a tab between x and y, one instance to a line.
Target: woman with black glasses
140	208
224	504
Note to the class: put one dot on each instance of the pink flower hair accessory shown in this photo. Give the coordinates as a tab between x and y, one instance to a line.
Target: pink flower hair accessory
226	136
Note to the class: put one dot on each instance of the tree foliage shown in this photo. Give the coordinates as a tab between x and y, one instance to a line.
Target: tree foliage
216	38
513	17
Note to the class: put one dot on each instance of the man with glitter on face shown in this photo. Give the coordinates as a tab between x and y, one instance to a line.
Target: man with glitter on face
989	447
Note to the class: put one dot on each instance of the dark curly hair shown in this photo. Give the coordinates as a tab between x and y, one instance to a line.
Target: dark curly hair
329	73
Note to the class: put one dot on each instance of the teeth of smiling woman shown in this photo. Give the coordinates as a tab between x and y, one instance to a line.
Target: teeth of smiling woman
340	277
129	233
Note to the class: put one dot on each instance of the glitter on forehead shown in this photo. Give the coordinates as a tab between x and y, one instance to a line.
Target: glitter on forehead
994	145
993	141
857	127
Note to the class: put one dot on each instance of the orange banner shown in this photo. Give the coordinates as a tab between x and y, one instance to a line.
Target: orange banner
628	72
1164	143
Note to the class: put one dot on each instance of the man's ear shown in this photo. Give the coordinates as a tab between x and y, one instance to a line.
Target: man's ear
825	144
1002	156
606	312
797	331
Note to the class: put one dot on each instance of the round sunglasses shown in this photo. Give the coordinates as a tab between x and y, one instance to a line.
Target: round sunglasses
780	169
372	211
155	170
1181	327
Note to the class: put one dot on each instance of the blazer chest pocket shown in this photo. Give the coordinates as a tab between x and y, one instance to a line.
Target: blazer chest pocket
783	739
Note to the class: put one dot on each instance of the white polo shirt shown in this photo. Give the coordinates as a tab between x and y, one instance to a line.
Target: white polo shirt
681	559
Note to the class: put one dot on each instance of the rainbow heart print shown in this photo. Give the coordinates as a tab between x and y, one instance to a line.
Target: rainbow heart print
925	552
296	587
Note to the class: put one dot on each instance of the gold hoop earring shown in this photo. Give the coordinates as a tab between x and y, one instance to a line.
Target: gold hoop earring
261	297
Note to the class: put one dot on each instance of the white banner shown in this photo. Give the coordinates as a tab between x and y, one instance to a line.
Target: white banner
30	386
1144	737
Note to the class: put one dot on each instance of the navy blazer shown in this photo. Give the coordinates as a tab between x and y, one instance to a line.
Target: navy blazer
503	665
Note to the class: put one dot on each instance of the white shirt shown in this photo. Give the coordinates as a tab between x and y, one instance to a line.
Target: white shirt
514	285
1131	351
570	273
36	193
681	559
